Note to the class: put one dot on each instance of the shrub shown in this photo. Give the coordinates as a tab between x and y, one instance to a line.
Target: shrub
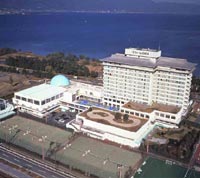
125	117
90	109
118	115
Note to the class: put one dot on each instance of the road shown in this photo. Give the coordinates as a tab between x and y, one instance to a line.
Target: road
35	166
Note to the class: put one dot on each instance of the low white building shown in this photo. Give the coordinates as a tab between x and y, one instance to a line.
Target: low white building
39	100
101	124
80	96
60	92
161	113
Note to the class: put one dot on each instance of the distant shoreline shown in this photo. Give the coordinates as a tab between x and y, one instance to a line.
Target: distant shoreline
19	12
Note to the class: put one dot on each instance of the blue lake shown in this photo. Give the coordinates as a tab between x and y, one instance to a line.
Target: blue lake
100	35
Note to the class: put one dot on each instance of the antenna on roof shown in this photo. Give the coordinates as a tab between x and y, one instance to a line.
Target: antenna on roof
159	46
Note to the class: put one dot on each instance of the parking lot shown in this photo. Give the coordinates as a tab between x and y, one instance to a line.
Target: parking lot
60	119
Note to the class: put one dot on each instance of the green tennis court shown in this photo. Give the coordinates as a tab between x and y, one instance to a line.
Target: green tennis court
32	135
84	154
154	168
97	158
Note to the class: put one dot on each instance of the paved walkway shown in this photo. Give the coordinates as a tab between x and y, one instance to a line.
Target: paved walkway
12	171
110	118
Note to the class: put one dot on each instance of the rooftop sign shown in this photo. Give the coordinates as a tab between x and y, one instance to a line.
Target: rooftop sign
146	53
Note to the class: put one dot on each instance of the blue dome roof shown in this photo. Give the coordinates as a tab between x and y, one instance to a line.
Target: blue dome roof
60	80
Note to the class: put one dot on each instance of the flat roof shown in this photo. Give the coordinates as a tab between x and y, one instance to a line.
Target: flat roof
150	108
76	85
107	117
175	63
41	92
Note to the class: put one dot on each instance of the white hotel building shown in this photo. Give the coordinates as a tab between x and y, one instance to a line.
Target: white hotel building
152	89
144	76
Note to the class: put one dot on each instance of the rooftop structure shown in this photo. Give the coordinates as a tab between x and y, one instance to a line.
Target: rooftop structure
146	60
60	80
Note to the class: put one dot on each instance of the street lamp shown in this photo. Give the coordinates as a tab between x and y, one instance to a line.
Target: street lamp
42	140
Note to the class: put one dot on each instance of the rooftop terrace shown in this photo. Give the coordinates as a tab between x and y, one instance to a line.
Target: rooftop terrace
108	118
150	108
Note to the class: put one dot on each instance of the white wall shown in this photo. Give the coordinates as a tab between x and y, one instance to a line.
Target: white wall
119	135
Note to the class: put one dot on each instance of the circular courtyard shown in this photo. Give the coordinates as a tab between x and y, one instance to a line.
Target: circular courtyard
107	116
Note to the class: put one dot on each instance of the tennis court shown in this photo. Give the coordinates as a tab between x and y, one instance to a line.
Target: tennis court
154	168
85	154
97	158
32	135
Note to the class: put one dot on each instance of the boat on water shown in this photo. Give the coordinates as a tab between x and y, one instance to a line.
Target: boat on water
6	109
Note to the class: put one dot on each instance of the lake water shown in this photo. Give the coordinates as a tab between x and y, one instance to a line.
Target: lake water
100	35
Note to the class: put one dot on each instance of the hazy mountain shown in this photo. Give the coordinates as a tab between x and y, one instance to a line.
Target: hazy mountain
148	6
180	1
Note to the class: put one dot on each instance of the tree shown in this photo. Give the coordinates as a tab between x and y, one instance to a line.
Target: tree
94	74
129	173
90	109
11	79
4	51
118	115
48	68
125	117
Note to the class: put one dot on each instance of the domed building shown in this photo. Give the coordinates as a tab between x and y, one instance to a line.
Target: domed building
60	80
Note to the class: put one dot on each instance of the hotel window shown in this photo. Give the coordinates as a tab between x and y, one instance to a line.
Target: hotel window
162	115
48	100
30	100
61	95
43	102
18	97
36	102
23	99
173	117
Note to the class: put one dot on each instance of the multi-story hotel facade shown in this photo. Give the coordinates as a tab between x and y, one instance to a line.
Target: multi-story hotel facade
144	76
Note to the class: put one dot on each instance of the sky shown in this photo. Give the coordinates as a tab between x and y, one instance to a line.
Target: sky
180	1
